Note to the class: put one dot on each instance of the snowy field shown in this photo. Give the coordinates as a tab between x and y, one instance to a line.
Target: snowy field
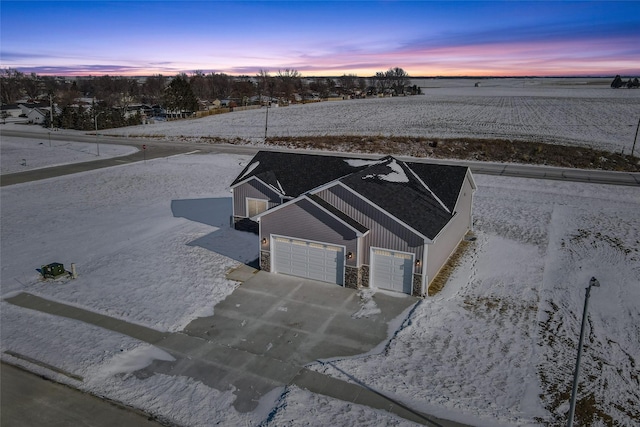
152	244
23	154
564	111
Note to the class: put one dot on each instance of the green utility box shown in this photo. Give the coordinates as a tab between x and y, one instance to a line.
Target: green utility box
53	270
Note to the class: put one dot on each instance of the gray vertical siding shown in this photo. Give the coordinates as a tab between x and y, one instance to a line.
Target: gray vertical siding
306	221
385	231
449	238
256	190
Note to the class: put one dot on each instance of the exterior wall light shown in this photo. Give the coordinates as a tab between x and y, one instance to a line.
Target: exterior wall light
418	263
349	255
264	240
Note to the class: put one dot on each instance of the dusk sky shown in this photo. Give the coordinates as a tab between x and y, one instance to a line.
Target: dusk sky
329	38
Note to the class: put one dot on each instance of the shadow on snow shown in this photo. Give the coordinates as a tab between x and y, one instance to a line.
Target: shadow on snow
216	212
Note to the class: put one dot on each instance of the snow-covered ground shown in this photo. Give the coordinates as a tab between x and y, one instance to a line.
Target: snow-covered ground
499	343
22	154
566	111
496	347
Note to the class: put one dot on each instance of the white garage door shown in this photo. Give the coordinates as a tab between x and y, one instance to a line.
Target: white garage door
312	260
392	270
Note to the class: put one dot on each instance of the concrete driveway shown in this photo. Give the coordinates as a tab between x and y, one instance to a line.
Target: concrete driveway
260	338
262	335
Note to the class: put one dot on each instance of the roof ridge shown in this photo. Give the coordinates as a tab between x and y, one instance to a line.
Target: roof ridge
424	184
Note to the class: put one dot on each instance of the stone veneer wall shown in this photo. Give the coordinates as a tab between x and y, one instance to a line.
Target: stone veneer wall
364	276
265	261
417	285
351	277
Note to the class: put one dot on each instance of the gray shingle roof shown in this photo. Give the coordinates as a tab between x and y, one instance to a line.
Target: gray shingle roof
444	180
421	195
295	173
393	187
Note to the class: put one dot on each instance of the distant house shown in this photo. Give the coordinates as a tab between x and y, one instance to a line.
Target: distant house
10	112
209	105
37	115
143	109
381	223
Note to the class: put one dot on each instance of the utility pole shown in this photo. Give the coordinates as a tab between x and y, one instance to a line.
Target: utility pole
95	120
635	139
50	114
50	117
572	409
266	122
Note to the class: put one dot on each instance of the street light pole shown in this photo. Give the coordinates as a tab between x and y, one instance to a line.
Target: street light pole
572	409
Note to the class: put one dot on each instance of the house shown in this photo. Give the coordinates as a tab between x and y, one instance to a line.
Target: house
10	111
358	223
38	115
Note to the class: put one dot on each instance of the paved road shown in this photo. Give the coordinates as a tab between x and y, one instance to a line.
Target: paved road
30	400
156	149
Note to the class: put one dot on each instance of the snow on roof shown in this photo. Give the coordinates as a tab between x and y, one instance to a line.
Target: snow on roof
356	163
250	169
397	174
293	174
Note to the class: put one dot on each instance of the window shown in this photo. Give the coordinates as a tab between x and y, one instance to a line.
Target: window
255	206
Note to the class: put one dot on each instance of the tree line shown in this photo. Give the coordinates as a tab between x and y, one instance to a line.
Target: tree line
630	84
16	85
112	95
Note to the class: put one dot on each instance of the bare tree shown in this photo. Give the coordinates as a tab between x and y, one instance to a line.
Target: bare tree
320	86
10	85
115	91
153	89
398	79
348	83
220	85
200	85
32	86
266	84
243	89
380	81
288	81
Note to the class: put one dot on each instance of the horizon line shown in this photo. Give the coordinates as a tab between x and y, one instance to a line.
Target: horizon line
436	76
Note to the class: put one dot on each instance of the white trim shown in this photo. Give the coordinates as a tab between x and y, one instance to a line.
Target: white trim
469	177
233	204
337	218
428	189
260	181
372	268
473	193
442	230
426	239
305	197
250	168
425	282
273	257
276	208
246	205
